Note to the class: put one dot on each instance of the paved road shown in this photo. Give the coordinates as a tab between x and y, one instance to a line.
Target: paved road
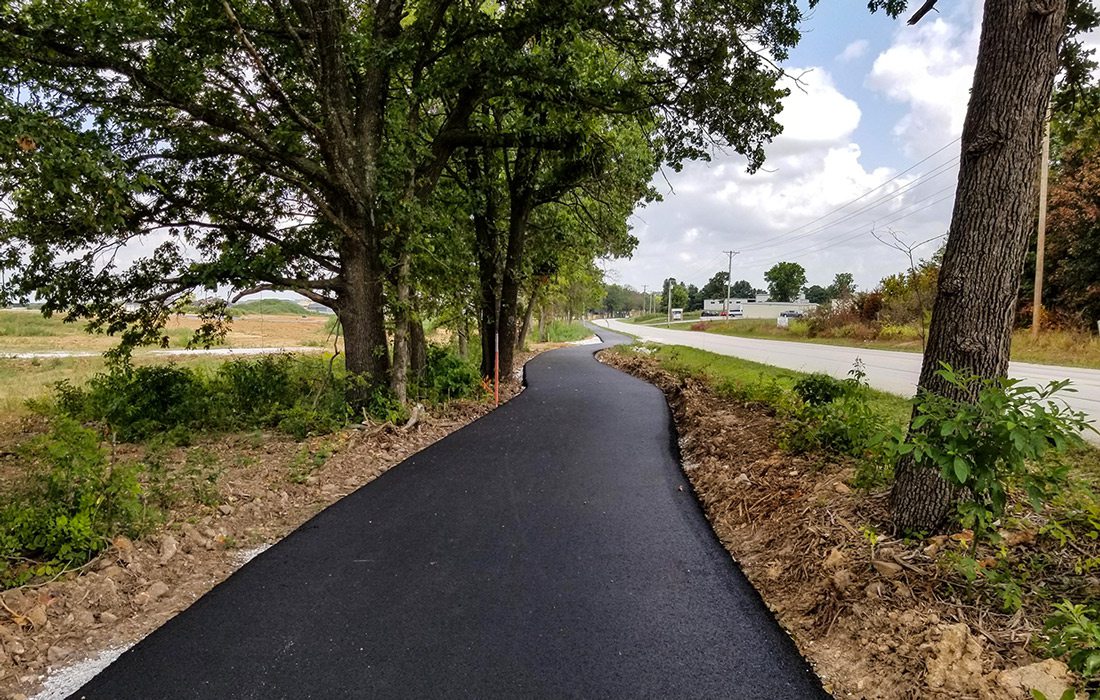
551	549
895	372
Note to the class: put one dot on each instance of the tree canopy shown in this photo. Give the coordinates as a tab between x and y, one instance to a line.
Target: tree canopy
785	280
156	149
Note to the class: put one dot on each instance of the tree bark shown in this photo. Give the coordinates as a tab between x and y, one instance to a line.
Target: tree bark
418	347
463	337
522	338
359	309
971	325
521	202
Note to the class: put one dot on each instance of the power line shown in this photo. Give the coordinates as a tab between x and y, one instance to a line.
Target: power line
905	189
878	187
860	232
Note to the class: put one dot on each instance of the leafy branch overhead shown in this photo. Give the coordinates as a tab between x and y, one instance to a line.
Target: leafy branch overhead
280	144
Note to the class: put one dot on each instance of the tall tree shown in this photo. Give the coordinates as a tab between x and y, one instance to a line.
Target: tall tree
817	294
972	321
278	144
842	286
784	280
742	289
715	288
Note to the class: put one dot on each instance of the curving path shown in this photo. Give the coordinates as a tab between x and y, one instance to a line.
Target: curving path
551	549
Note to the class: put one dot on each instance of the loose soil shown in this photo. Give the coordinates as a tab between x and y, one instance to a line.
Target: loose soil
267	485
873	615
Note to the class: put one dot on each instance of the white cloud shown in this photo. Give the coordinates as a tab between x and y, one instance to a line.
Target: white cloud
856	49
813	169
814	113
930	68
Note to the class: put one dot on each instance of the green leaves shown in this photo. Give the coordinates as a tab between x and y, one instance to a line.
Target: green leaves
1073	632
996	441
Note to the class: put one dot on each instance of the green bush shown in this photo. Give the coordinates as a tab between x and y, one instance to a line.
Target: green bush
73	501
297	395
447	376
835	416
138	402
818	389
997	441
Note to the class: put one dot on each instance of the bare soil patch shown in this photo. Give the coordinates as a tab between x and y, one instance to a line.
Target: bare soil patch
267	485
877	617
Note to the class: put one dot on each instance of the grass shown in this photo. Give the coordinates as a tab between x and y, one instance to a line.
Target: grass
894	410
29	331
23	380
663	317
1067	348
720	368
564	332
272	307
19	323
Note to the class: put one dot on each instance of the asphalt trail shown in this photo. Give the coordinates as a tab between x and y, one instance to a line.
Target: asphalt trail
550	549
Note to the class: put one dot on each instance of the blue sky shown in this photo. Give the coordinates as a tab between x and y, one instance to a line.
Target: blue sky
877	97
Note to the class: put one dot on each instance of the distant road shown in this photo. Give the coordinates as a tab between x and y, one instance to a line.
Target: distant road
895	372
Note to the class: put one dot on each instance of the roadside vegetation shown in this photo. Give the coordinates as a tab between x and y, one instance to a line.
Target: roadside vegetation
69	492
566	332
1067	347
1019	560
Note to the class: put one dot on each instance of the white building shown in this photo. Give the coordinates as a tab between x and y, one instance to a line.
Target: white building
756	307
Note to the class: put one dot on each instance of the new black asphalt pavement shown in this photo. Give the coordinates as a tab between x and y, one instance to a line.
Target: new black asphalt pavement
551	549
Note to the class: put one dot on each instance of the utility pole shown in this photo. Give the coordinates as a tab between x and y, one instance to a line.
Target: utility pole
671	281
729	280
644	288
1044	168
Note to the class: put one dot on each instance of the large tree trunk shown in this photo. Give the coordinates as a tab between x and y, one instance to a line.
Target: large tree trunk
509	292
487	249
521	202
360	313
994	206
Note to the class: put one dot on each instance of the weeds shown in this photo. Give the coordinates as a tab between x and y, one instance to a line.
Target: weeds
1073	632
1000	440
73	502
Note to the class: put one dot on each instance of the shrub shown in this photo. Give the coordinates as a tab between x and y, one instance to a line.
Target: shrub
298	395
995	442
139	402
835	416
700	326
818	389
447	376
73	501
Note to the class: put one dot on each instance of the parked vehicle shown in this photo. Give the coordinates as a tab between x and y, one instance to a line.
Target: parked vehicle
791	314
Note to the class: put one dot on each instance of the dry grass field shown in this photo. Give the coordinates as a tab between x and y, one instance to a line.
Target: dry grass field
24	331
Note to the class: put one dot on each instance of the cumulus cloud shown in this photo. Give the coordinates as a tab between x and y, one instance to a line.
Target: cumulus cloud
793	209
856	49
929	69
